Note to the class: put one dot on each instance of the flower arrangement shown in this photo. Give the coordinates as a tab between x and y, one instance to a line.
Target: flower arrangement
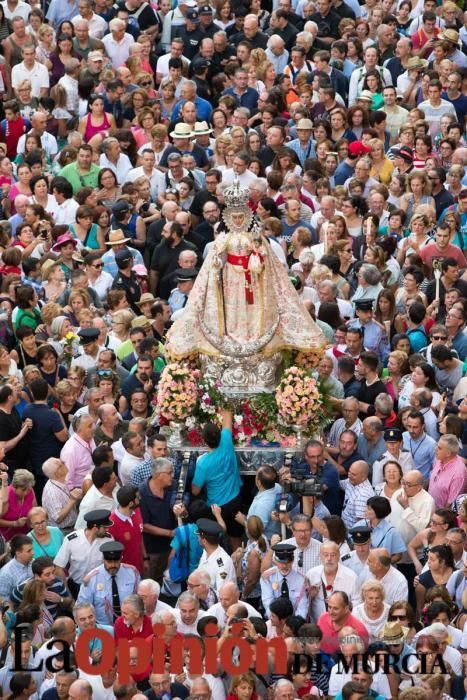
309	359
69	347
177	392
210	400
298	397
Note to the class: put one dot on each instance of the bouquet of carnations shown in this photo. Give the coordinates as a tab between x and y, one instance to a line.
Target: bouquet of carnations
298	397
176	393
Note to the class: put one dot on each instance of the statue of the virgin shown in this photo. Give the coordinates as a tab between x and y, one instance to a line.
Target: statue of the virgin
243	308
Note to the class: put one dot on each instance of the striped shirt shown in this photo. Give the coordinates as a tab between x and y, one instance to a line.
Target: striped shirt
355	501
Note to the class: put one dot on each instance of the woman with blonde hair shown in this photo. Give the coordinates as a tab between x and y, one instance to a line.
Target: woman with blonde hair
222	145
238	136
418	192
46	540
46	43
267	74
381	167
145	122
79	299
243	687
121	324
257	57
77	377
373	611
398	373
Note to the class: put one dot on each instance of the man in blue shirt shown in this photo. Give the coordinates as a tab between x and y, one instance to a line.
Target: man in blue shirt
420	445
244	95
326	473
217	471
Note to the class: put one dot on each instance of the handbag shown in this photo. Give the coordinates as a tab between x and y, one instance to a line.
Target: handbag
179	567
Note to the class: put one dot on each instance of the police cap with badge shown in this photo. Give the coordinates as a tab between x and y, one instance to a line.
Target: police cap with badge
364	305
392	435
112	551
88	335
360	534
98	518
186	275
283	553
209	528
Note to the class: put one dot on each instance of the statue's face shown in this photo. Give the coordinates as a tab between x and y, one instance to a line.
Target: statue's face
238	219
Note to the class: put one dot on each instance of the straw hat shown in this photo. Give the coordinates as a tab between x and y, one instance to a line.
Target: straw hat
181	131
200	129
450	35
116	237
393	633
416	63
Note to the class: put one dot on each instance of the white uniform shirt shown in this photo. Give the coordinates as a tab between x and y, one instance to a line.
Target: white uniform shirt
79	554
219	566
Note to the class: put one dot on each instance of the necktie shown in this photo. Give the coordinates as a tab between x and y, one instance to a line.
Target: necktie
284	589
115	597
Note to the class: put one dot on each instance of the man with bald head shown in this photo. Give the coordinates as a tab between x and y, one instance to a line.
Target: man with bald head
330	576
357	490
336	617
229	595
80	690
380	568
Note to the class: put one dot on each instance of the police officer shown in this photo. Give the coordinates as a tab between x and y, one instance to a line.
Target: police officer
282	581
185	279
107	586
80	550
373	338
126	278
89	347
356	560
214	559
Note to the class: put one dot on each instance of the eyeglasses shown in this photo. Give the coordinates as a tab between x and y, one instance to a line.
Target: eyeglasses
439	337
41	522
398	617
146	84
98	266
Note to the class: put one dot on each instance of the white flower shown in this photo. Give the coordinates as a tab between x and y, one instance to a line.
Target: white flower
241	437
238	420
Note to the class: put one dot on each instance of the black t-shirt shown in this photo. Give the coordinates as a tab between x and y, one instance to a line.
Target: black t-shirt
165	258
146	19
131	288
368	394
198	153
200	200
10	426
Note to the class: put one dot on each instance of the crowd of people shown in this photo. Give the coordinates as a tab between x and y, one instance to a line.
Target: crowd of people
121	127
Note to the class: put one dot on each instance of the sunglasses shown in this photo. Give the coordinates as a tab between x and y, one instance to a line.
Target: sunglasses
104	372
98	266
146	84
398	617
439	337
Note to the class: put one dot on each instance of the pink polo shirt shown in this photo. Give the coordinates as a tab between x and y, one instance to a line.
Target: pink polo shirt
77	455
447	481
330	643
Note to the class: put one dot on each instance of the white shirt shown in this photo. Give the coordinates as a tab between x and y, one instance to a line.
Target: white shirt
72	98
97	25
184	628
219	566
339	678
245	179
357	78
373	626
102	285
155	178
218	612
162	65
404	459
118	51
79	554
345	580
22	9
95	500
122	168
49	144
411	520
38	75
66	212
98	690
127	464
394	584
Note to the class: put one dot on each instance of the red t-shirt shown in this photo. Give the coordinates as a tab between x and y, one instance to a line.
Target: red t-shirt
431	252
330	643
123	631
130	534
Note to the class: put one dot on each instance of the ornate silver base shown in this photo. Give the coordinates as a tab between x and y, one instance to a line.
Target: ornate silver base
176	436
242	377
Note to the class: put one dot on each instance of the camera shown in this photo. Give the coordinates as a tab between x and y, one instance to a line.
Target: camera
145	207
302	485
43	232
